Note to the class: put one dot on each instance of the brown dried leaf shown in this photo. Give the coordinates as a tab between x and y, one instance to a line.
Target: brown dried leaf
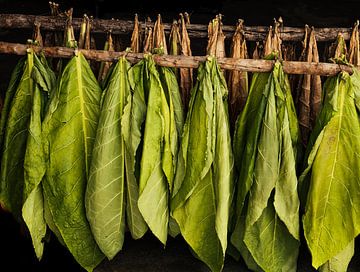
135	37
159	40
354	57
302	58
257	54
268	47
237	80
213	29
316	88
148	41
304	99
220	43
186	74
37	34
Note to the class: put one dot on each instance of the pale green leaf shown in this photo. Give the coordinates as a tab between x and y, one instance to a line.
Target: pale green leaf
331	219
203	183
340	262
266	144
70	129
105	193
132	129
153	184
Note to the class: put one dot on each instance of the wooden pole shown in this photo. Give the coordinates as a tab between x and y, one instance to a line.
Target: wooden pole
250	65
252	33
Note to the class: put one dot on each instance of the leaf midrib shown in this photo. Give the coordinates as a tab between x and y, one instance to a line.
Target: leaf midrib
81	97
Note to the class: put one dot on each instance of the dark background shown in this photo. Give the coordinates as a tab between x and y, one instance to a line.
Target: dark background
16	251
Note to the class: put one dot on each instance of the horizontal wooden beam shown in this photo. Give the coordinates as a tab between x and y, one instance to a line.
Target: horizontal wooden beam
250	65
252	33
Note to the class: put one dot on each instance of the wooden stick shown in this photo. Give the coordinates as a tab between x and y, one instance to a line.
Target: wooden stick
252	33
250	65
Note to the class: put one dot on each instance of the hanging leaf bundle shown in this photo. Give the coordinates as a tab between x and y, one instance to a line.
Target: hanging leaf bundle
135	36
329	184
111	190
69	131
266	231
148	38
309	88
159	40
22	159
203	186
180	45
238	80
216	38
354	57
155	117
105	67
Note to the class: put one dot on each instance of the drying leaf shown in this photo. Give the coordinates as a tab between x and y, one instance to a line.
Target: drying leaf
82	35
268	47
70	128
135	36
316	88
105	192
265	149
213	30
15	78
157	168
309	88
338	50
256	53
186	74
302	58
331	177
175	39
273	42
216	41
148	40
305	96
175	43
132	124
203	186
23	162
237	81
220	43
105	66
159	40
354	55
155	122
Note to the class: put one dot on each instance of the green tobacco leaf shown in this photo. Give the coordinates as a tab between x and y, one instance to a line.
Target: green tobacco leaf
331	220
327	112
270	244
265	142
15	78
340	262
23	164
70	128
203	183
171	139
175	122
105	193
15	139
247	130
132	128
34	160
153	184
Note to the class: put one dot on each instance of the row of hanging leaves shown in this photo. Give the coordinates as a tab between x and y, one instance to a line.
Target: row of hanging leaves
124	167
